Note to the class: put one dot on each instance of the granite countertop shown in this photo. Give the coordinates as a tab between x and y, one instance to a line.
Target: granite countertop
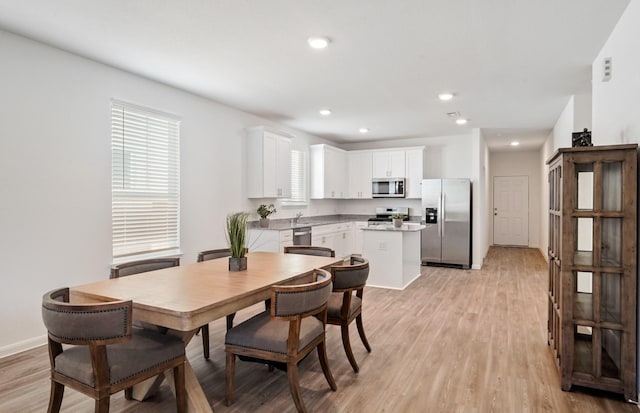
410	227
287	223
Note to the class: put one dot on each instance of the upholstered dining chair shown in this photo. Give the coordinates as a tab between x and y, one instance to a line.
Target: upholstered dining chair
343	306
294	327
106	355
137	267
310	250
206	256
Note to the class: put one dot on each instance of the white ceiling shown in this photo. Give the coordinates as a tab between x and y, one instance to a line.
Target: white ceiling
513	64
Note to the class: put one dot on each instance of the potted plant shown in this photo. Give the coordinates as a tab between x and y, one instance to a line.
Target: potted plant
264	211
237	239
397	219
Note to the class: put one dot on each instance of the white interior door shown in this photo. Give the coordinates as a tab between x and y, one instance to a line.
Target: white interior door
511	210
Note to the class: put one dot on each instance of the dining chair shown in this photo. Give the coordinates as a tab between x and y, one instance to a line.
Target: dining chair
206	256
137	267
343	306
310	250
103	354
293	328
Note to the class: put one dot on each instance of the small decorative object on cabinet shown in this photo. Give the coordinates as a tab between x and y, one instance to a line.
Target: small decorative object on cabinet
237	239
264	211
592	266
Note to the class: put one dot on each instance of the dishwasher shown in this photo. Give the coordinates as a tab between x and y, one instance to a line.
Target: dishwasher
302	236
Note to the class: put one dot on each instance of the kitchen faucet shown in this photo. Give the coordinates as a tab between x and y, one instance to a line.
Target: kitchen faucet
297	218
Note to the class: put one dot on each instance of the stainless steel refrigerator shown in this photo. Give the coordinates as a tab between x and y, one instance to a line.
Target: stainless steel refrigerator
446	213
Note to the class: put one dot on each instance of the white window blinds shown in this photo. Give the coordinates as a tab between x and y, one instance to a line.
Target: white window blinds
298	179
145	182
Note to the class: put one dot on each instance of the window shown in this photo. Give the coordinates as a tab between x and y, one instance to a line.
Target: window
145	181
298	179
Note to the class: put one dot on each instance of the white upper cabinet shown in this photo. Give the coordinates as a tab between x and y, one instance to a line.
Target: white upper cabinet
328	172
389	164
268	163
359	173
415	172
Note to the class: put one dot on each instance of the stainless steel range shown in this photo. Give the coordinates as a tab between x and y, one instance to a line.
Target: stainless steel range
383	215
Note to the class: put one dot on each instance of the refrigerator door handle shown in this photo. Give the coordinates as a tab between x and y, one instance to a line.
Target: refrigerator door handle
442	217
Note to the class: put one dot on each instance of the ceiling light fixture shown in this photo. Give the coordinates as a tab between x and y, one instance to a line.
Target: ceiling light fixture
515	143
363	130
445	96
318	42
325	112
461	121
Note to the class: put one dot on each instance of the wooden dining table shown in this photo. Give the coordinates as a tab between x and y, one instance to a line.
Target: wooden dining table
187	297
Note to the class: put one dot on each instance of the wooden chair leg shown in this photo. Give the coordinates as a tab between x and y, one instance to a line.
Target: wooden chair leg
128	393
324	363
363	337
55	398
344	329
102	405
230	318
181	394
294	386
205	340
231	367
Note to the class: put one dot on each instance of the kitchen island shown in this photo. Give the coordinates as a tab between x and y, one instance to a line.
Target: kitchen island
393	254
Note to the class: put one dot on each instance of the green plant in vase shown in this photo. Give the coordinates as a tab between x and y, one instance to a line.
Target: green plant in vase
264	211
397	219
237	240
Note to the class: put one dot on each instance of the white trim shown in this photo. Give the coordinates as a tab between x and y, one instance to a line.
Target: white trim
24	345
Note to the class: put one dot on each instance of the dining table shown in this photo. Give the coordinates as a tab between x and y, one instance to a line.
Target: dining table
184	298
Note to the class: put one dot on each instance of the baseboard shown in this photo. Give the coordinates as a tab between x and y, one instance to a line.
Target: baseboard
22	346
476	267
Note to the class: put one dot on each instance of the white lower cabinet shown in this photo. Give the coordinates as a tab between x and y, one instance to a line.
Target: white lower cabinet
338	237
357	238
269	240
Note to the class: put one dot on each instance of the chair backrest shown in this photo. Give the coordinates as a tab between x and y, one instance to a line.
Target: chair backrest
137	267
82	324
310	250
213	254
302	300
350	277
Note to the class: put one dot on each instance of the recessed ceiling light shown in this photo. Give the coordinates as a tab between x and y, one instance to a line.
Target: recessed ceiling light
461	121
445	96
318	42
515	143
325	112
363	130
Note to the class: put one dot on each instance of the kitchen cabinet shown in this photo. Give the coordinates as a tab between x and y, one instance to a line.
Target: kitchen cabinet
268	163
357	240
592	267
359	173
269	240
414	172
328	171
389	164
338	237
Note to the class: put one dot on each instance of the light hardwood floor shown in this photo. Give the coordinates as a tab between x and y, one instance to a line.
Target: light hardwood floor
453	341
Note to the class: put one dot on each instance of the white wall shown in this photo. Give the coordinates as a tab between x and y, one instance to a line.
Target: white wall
55	174
564	126
582	111
616	104
525	163
480	189
545	153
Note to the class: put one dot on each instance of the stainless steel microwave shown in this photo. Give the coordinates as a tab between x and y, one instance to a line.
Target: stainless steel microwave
388	188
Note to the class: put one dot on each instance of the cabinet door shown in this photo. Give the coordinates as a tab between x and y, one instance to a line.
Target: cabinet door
357	237
380	164
397	164
270	162
359	175
283	167
414	174
339	176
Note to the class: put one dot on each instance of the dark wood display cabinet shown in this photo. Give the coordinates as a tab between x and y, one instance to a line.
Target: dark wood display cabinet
592	266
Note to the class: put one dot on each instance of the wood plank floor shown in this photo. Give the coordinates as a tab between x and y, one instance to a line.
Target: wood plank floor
454	341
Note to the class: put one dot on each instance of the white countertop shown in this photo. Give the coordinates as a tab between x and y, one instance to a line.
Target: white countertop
409	227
